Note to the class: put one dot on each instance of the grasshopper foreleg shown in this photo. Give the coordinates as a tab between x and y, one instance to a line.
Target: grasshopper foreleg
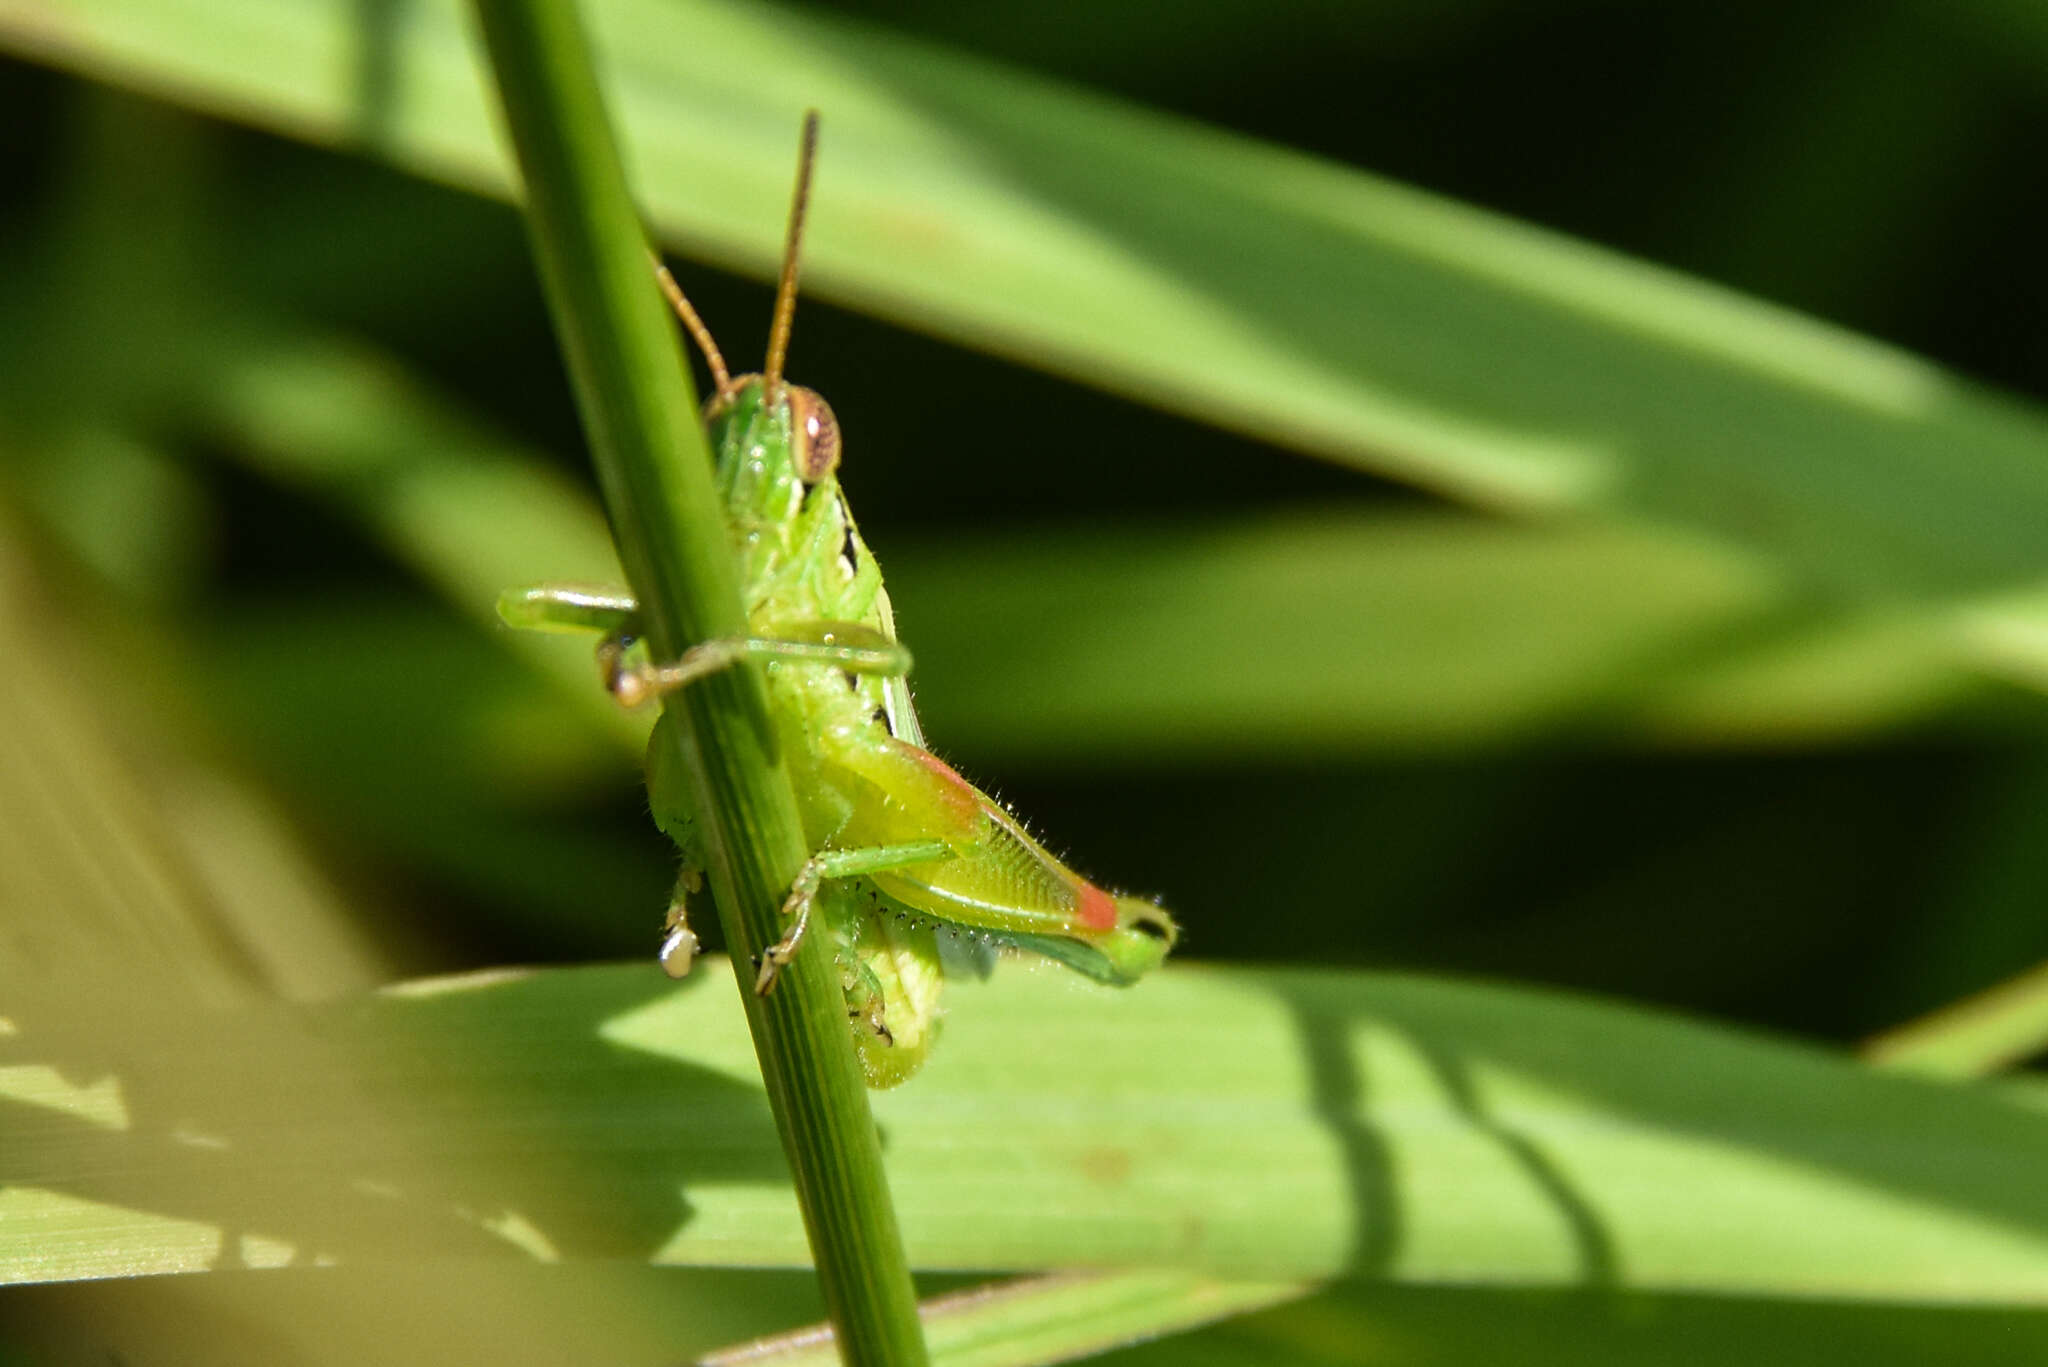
853	647
803	894
847	646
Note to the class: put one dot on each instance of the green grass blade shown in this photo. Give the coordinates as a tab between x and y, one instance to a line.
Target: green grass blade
1487	1326
655	469
1286	297
1043	1319
1994	1029
1312	634
119	851
405	1314
1251	1125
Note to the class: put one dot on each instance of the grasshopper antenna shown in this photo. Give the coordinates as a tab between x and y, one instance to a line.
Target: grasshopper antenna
785	289
691	321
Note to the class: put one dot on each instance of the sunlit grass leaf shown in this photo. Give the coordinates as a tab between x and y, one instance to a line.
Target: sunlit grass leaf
1056	1318
1257	1124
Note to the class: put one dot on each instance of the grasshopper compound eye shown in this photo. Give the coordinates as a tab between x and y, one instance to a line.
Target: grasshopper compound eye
813	434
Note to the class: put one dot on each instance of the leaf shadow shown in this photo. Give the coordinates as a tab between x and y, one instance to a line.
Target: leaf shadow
490	1116
1929	1144
1342	1083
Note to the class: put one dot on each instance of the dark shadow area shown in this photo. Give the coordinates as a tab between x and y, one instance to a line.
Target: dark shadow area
1763	887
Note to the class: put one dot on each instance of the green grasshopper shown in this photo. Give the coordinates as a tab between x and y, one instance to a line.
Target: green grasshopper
911	865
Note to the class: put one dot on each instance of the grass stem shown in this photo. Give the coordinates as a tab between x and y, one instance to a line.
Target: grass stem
639	413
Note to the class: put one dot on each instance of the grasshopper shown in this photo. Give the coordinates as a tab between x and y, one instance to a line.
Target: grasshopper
912	866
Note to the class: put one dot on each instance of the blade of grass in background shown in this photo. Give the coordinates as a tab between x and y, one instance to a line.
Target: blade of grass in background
1257	1125
155	889
517	1314
1193	269
467	510
1483	1327
1056	1318
1319	633
178	873
1323	631
1995	1029
417	1313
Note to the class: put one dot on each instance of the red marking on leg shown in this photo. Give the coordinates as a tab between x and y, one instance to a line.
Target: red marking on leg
1096	909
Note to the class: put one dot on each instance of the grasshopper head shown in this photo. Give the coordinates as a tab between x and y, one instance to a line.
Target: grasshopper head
770	454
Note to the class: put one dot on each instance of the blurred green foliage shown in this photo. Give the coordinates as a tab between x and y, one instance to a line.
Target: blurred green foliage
1749	724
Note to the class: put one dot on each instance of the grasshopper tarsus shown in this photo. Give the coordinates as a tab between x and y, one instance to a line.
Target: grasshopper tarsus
679	944
797	909
678	951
